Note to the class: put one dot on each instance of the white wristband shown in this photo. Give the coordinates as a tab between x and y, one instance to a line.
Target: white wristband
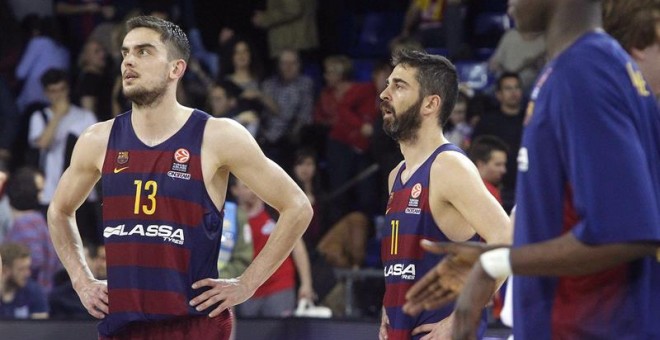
496	263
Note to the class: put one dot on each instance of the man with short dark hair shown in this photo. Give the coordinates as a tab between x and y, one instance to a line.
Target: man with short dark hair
164	169
435	193
20	297
489	154
506	122
54	129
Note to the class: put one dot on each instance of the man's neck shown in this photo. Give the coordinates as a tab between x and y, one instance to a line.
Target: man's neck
569	23
415	152
155	123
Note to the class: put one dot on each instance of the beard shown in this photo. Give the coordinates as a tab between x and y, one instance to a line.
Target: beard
143	97
403	127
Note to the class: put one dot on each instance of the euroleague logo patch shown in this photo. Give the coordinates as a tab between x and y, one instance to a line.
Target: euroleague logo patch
182	156
413	202
416	191
179	168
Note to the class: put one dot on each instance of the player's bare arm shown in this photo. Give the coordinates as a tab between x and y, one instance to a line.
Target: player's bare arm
228	147
459	196
75	185
464	205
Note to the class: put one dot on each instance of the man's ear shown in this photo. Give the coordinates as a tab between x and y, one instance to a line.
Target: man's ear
178	69
431	104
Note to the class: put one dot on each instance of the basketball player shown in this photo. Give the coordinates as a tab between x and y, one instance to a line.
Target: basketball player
588	190
164	170
436	193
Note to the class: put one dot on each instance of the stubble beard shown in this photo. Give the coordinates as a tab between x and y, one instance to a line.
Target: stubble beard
403	127
142	97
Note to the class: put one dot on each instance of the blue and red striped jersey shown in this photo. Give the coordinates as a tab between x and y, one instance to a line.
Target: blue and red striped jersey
162	231
589	164
408	220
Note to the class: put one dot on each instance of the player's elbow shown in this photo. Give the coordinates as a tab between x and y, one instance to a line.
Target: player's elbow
303	210
55	214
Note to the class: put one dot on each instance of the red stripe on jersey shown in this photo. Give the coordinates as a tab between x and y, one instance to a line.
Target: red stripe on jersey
148	161
402	200
148	255
398	334
405	247
395	296
586	300
147	302
168	210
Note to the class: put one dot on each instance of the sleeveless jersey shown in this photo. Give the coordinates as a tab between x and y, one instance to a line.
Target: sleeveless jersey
161	230
408	220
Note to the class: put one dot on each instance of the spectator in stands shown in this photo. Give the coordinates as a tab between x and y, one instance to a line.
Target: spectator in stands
224	100
337	73
29	225
489	154
506	122
54	131
458	130
291	24
20	297
347	149
277	296
94	84
305	173
294	95
521	53
43	52
241	66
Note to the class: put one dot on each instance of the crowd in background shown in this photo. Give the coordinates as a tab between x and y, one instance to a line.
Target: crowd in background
295	73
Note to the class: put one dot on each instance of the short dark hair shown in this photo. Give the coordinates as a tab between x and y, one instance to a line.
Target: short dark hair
53	76
170	34
22	190
632	23
436	76
506	75
11	252
483	146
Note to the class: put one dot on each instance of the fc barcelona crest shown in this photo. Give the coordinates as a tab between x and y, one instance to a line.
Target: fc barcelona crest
122	157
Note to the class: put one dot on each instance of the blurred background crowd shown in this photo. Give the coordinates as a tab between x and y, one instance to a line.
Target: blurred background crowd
303	76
